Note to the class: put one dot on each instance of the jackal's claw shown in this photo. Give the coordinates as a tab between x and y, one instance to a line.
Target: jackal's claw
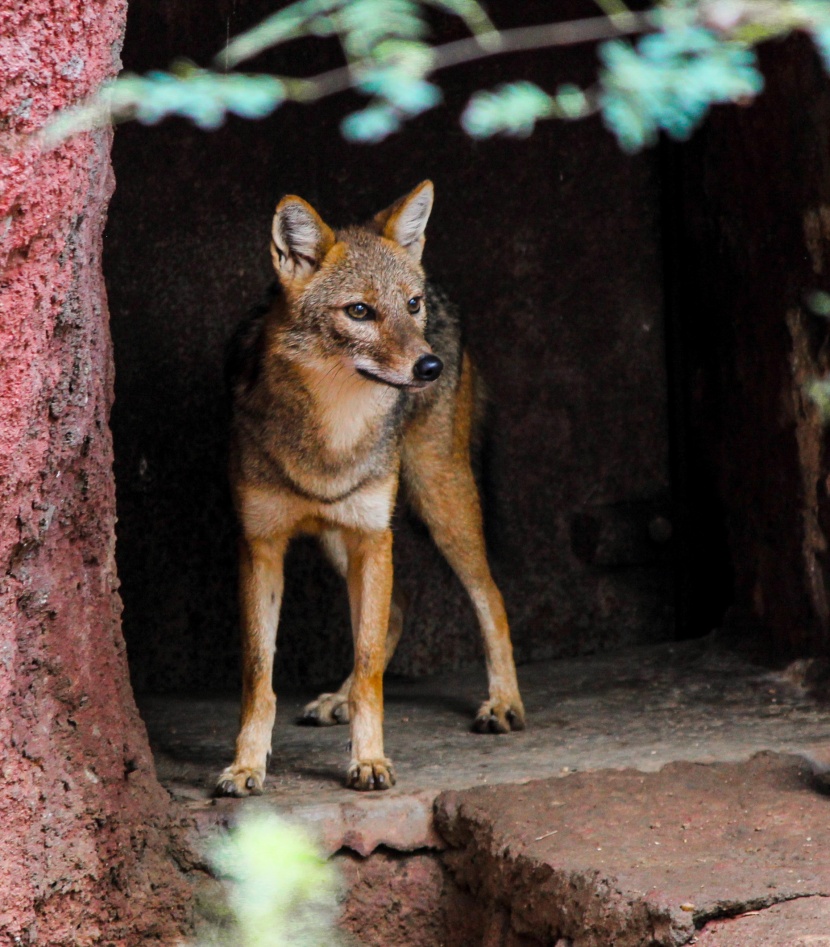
499	717
327	710
370	774
240	781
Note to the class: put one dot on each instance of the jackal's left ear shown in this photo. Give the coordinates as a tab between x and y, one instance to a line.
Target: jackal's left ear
406	220
300	239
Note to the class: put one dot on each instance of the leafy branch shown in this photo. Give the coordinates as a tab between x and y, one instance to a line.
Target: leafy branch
660	70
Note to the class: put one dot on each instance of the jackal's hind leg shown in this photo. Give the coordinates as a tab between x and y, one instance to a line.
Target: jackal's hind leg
444	494
333	708
328	709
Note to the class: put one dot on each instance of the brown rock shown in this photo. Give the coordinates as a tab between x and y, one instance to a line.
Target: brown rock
632	851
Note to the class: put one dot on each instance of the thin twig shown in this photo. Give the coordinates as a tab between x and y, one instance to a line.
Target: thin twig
519	39
546	835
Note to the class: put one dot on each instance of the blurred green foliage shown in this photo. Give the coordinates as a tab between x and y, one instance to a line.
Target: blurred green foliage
203	97
669	80
818	390
278	890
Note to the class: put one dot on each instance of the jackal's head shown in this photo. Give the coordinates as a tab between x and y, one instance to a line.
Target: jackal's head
356	296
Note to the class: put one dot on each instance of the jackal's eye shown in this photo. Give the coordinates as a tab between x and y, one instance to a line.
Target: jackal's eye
414	305
360	311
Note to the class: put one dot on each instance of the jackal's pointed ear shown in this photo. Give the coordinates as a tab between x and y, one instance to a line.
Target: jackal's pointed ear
406	220
300	239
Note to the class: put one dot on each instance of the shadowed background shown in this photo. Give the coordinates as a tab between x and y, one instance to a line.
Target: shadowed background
550	246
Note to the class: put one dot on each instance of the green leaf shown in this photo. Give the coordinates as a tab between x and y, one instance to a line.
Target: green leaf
571	101
203	97
819	302
818	391
669	80
370	125
821	37
406	93
511	109
363	24
253	96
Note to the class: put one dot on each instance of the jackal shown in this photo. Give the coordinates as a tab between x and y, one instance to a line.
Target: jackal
352	381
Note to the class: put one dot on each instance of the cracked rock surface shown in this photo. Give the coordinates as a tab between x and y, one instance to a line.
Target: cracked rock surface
651	819
801	923
639	859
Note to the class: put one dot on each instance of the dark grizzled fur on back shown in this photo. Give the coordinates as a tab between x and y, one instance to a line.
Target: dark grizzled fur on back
244	349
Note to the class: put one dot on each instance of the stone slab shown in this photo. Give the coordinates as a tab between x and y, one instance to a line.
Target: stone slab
631	858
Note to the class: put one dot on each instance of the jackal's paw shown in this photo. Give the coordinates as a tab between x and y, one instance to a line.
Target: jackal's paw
370	774
327	710
240	781
497	716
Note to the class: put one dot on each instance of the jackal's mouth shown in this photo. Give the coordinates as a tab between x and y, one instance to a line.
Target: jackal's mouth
408	386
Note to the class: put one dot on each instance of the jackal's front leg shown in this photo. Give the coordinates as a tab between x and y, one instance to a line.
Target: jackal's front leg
260	588
370	594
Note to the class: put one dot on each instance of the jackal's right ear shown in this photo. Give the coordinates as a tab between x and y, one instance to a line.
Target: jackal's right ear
300	239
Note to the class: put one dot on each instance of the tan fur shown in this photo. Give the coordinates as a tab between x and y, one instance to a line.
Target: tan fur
330	411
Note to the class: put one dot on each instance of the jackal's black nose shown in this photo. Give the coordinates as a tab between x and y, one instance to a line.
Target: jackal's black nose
427	368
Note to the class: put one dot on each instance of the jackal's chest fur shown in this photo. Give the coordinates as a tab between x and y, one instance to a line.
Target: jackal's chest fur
319	434
350	415
340	469
266	511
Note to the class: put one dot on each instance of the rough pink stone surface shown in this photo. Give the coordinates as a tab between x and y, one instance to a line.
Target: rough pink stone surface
395	899
83	848
411	901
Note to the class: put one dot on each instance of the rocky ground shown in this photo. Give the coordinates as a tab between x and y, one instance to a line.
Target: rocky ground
662	796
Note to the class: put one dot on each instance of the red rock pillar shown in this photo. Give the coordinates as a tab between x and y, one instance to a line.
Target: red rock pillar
84	822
